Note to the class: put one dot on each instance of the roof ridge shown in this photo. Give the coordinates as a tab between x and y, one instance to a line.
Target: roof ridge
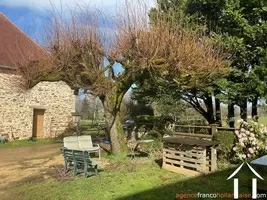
36	43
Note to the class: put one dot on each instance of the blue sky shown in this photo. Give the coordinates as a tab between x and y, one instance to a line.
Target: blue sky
27	19
32	15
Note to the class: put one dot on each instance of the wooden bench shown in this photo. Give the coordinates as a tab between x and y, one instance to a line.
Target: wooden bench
77	158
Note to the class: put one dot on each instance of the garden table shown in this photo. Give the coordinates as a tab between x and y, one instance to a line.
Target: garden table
145	141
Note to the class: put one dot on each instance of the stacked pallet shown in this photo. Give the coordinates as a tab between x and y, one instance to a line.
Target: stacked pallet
190	156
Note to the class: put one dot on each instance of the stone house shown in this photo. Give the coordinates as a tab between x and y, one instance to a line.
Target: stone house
43	111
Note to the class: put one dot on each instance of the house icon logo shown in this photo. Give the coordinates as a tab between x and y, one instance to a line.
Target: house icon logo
254	181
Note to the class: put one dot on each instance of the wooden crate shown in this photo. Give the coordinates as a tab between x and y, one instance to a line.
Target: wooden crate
188	159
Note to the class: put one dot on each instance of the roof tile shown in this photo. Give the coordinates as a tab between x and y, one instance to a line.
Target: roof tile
16	46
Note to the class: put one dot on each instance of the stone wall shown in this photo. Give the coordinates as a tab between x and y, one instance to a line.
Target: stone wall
17	107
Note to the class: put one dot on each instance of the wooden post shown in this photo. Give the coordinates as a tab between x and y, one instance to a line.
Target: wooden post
213	129
213	159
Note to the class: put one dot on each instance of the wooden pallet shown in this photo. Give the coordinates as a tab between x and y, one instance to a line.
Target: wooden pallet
189	159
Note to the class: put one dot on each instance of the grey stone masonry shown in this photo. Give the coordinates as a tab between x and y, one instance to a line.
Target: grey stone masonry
17	107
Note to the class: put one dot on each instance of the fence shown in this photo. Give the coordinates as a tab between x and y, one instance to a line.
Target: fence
199	131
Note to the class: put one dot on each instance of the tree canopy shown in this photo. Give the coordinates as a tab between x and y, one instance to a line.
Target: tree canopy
239	27
77	49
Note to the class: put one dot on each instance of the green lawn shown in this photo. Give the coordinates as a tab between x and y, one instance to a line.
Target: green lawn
125	179
128	180
87	128
17	143
263	120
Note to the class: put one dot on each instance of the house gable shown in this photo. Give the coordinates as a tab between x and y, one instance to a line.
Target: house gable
54	102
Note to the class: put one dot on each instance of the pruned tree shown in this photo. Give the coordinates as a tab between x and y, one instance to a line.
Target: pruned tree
77	49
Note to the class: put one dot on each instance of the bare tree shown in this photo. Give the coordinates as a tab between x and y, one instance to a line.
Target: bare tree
77	49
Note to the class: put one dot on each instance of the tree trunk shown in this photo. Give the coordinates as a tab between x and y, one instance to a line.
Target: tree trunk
205	113
210	112
231	115
77	111
117	136
254	108
112	104
218	111
244	110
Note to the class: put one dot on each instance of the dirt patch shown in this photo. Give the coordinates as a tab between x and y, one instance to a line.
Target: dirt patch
17	154
27	164
54	171
33	164
3	176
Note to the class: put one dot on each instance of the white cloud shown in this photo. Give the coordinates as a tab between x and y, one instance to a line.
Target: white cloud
104	5
33	22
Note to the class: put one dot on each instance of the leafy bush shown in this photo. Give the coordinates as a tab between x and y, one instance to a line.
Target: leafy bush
226	139
202	131
250	140
153	122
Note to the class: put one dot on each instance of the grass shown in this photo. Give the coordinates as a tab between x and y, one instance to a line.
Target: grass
122	177
126	179
109	185
21	143
87	128
263	120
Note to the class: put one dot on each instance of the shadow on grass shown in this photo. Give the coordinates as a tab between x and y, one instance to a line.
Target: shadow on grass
198	187
158	162
139	154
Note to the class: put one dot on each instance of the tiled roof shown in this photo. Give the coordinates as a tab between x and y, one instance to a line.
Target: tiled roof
16	46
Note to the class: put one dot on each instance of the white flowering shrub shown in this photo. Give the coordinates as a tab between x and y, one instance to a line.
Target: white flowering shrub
250	140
